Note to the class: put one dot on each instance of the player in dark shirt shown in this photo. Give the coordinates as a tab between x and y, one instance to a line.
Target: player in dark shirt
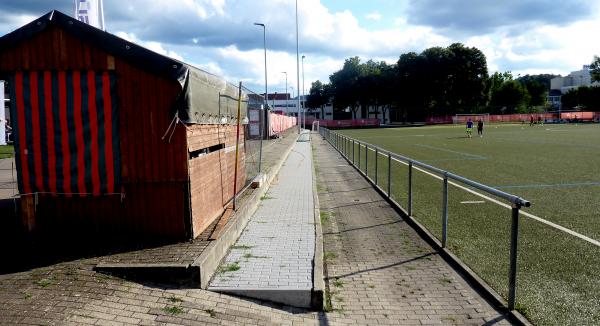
480	128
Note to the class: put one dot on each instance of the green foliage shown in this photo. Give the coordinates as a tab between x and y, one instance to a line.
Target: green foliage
174	299
43	282
585	98
6	151
511	97
595	69
173	310
229	268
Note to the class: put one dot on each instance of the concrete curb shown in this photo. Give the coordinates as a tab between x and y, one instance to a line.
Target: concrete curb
463	270
318	291
208	262
291	297
180	273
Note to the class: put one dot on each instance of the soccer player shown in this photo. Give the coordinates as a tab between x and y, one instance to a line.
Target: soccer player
480	128
469	127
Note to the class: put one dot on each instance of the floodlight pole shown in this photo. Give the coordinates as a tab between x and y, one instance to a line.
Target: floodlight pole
303	99
266	105
298	68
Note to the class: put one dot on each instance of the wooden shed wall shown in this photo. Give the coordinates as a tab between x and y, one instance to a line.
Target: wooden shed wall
154	172
212	175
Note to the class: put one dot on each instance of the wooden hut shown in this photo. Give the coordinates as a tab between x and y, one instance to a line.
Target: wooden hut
112	139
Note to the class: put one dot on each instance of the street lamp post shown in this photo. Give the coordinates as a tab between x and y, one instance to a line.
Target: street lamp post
303	98
287	97
266	105
298	66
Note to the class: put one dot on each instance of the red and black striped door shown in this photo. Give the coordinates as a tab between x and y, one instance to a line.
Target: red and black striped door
66	132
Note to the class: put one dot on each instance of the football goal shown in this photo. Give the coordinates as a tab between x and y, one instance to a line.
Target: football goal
462	118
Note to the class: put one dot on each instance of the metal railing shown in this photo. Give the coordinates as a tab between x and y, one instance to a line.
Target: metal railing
346	146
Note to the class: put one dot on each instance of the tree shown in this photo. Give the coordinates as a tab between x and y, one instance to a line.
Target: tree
318	96
345	86
595	69
511	97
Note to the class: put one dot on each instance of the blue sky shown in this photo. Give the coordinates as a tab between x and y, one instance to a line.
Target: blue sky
522	36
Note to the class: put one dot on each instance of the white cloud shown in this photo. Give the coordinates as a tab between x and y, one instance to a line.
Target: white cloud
374	16
150	45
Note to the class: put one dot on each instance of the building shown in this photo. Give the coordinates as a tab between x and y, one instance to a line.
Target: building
561	85
113	140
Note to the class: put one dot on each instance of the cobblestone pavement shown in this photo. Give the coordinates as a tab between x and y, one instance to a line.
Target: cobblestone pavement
276	249
379	270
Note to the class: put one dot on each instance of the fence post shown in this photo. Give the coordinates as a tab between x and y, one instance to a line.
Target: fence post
514	239
389	175
376	163
359	156
445	211
410	165
353	145
367	160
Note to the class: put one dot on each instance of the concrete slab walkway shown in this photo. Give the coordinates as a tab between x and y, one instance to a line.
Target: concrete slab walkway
273	258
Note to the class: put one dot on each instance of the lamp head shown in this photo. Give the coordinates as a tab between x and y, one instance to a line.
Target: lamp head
259	24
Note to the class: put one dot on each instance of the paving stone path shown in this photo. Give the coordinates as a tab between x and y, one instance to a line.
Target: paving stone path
276	250
379	270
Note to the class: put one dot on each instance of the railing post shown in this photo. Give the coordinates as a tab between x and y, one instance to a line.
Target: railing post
389	175
445	211
367	160
514	239
353	145
410	168
358	156
376	163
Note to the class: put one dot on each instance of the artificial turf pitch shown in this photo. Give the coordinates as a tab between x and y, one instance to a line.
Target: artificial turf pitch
556	167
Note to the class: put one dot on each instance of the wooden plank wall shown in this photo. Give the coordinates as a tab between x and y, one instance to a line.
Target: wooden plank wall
154	171
211	175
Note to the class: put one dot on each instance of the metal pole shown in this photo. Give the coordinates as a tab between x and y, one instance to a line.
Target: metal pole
358	156
410	165
353	146
298	69
376	163
514	239
445	212
287	97
303	99
389	175
367	160
237	146
262	128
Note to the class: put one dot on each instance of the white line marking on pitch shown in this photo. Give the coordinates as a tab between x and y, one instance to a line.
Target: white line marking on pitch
473	202
531	216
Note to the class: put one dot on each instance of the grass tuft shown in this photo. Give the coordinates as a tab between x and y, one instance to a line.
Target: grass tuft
229	268
173	310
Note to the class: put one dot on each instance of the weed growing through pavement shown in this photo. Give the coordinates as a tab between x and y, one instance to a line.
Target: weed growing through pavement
229	268
173	310
325	216
265	197
174	299
445	280
211	313
249	255
242	247
338	283
330	255
27	296
43	282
